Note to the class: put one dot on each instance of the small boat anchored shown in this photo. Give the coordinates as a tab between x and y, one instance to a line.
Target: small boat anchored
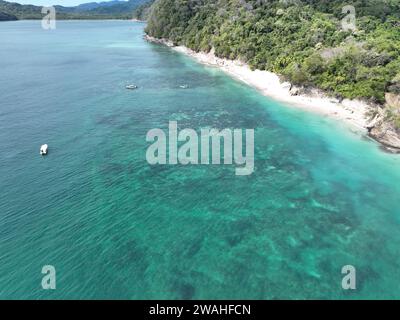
131	87
184	86
44	149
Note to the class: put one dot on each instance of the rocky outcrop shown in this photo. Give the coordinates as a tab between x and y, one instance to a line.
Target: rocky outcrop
295	91
382	127
387	135
392	100
162	41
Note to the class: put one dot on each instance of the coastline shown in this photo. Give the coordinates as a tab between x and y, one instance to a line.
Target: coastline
269	84
353	113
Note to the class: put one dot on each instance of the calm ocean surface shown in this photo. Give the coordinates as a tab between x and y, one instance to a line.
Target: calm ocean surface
321	196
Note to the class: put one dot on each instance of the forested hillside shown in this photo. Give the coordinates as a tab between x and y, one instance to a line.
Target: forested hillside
303	40
93	10
7	17
142	12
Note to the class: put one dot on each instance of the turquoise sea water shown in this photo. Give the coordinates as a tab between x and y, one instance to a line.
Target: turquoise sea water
321	196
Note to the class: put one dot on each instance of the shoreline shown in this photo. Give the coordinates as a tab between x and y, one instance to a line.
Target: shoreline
270	85
351	112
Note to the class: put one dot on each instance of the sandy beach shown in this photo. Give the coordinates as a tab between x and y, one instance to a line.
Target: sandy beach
269	84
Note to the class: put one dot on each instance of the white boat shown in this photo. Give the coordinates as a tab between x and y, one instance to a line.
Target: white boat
131	87
44	149
184	86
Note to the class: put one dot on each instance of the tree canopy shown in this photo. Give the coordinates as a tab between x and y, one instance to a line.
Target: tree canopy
303	40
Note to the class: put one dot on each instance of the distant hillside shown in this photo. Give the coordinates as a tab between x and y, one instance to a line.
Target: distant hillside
93	10
7	17
20	11
94	5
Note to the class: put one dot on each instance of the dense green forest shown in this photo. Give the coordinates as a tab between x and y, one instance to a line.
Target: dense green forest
303	40
142	12
102	10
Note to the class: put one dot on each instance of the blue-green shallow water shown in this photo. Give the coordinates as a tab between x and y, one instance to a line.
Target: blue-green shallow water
321	197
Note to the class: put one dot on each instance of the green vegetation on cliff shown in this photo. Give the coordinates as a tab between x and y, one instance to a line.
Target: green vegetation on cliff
303	40
142	12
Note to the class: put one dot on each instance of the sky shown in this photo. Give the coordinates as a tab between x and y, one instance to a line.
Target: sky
67	3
